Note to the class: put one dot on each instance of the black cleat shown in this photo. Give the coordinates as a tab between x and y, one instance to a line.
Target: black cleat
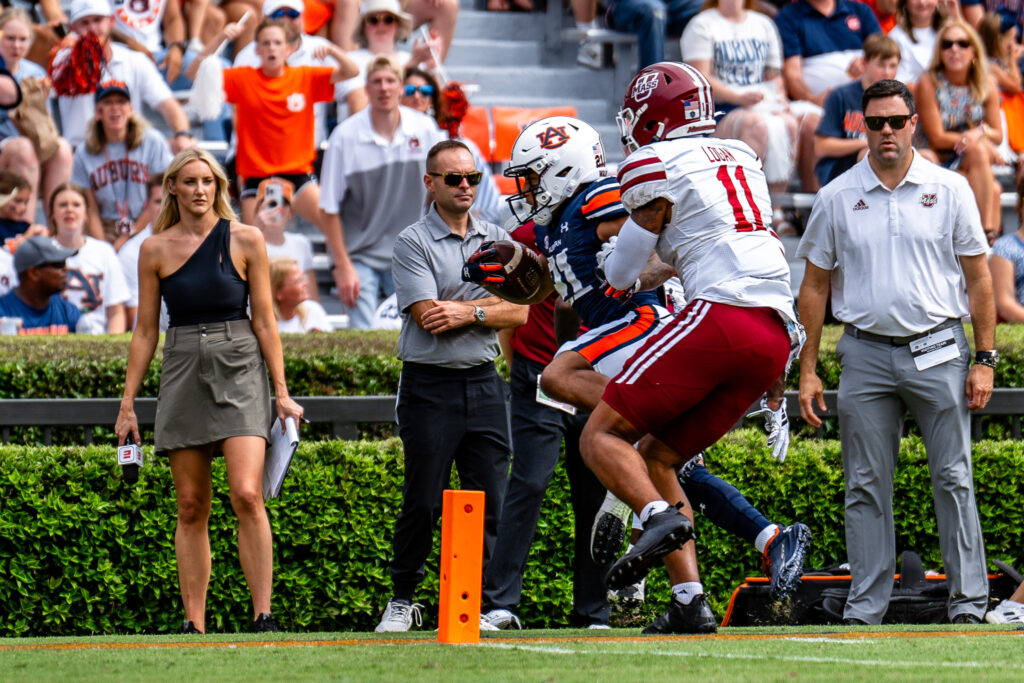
784	559
679	618
265	623
664	532
188	628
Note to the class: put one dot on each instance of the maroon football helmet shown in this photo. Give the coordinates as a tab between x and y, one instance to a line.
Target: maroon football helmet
664	101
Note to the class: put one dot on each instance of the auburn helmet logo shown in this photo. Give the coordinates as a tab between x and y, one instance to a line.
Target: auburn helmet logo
644	85
553	137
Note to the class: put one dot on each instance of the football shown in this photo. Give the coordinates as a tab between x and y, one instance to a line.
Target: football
525	271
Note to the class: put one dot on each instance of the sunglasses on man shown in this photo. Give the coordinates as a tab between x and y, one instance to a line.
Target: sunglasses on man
386	19
453	179
285	13
426	90
877	123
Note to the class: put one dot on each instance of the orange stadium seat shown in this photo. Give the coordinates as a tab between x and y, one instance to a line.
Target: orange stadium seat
477	127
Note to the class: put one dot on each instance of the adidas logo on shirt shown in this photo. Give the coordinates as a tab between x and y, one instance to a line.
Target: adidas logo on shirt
860	205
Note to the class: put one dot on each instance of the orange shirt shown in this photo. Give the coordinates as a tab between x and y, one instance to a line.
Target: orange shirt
275	117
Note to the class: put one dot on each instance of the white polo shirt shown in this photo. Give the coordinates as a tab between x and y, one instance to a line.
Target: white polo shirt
894	254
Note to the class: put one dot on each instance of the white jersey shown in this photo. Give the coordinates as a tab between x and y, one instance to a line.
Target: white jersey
296	247
118	177
309	317
719	239
8	276
95	281
142	20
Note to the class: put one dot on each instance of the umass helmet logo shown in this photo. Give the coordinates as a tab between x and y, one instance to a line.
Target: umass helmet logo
644	85
553	137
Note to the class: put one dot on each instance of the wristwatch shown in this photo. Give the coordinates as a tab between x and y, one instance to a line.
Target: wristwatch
479	315
989	358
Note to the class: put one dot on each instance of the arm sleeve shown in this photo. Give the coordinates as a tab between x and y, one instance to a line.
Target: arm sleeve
154	88
233	84
603	201
968	235
642	179
771	33
414	280
320	85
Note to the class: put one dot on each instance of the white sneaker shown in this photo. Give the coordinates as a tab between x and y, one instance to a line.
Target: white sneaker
499	620
1006	612
590	55
399	616
598	627
611	524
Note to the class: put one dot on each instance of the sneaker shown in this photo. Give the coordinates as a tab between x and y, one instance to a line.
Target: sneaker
664	532
965	618
265	623
1006	612
399	616
590	55
679	618
499	620
188	628
599	627
609	531
854	621
629	598
784	559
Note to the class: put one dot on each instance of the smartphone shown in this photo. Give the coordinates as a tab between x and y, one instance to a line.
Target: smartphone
274	196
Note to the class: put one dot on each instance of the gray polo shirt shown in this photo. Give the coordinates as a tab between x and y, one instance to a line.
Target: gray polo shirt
427	264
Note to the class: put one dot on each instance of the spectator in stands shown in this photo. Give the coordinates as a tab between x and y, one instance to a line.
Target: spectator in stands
274	218
1006	263
41	265
17	152
159	28
439	15
291	11
295	310
822	43
10	92
917	26
15	218
959	113
95	282
998	33
79	69
840	140
651	21
8	275
275	117
128	254
378	153
739	51
589	53
885	12
448	107
119	154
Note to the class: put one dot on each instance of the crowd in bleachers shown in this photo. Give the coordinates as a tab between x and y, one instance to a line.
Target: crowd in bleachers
787	78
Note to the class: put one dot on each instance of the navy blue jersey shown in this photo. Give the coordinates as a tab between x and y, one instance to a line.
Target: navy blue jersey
571	249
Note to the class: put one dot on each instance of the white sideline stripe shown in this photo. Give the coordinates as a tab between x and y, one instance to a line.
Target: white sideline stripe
762	657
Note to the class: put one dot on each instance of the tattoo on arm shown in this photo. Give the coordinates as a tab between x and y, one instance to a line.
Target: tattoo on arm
653	215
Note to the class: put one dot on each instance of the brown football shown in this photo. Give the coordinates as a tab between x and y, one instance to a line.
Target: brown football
525	271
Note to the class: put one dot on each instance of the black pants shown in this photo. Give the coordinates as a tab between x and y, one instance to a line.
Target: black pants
447	416
537	433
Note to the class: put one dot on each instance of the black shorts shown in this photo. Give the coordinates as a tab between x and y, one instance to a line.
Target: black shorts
298	181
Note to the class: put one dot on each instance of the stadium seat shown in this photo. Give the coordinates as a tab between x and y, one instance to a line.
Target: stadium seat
476	126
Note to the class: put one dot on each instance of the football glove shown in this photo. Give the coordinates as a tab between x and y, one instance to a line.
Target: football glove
478	269
621	295
776	423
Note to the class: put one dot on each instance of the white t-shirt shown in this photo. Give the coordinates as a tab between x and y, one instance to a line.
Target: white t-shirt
309	317
914	57
894	255
8	276
128	257
95	281
140	75
296	247
142	20
829	70
739	52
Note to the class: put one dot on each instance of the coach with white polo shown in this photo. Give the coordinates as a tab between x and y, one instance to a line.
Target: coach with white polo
452	405
899	240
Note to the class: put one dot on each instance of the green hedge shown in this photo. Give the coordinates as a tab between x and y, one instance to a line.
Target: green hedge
82	554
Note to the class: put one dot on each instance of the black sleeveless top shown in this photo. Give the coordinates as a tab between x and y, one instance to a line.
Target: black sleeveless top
207	288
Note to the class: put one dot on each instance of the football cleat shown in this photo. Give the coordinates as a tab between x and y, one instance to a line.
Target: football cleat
265	623
499	620
399	616
664	532
784	557
628	599
609	529
696	617
1006	612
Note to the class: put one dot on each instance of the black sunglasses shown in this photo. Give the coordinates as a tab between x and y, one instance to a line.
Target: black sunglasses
53	264
385	19
453	179
962	44
878	122
426	90
285	12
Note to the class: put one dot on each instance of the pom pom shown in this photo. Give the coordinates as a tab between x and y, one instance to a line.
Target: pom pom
454	106
79	72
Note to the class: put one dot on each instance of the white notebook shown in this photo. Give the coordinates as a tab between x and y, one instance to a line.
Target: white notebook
279	456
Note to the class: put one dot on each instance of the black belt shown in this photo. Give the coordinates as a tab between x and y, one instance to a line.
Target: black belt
898	341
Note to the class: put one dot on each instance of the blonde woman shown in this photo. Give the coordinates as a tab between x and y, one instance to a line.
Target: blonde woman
959	113
295	310
214	398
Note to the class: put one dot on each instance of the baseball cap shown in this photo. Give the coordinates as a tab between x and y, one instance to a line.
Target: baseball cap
270	186
111	87
35	251
89	8
271	6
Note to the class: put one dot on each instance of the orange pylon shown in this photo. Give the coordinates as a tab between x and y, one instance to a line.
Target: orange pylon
462	560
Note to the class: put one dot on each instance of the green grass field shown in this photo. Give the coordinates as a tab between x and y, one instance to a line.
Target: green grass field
884	653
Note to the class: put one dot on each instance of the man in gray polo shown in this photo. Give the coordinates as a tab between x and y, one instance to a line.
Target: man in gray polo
899	240
452	406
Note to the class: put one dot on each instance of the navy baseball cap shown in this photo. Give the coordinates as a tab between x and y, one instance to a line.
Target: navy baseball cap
38	250
111	87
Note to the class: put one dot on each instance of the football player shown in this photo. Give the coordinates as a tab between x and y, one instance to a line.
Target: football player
702	205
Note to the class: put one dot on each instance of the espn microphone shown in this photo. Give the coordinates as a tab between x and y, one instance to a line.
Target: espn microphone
129	456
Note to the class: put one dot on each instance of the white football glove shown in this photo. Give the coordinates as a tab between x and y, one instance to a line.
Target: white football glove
776	423
606	249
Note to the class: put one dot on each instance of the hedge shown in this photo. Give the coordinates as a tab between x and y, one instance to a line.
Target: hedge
83	554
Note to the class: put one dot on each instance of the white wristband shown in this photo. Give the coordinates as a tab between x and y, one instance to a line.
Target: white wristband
627	260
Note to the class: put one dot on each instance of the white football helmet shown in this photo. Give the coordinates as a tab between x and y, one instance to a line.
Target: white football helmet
564	153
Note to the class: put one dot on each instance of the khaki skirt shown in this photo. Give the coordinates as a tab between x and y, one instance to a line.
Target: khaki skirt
213	386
